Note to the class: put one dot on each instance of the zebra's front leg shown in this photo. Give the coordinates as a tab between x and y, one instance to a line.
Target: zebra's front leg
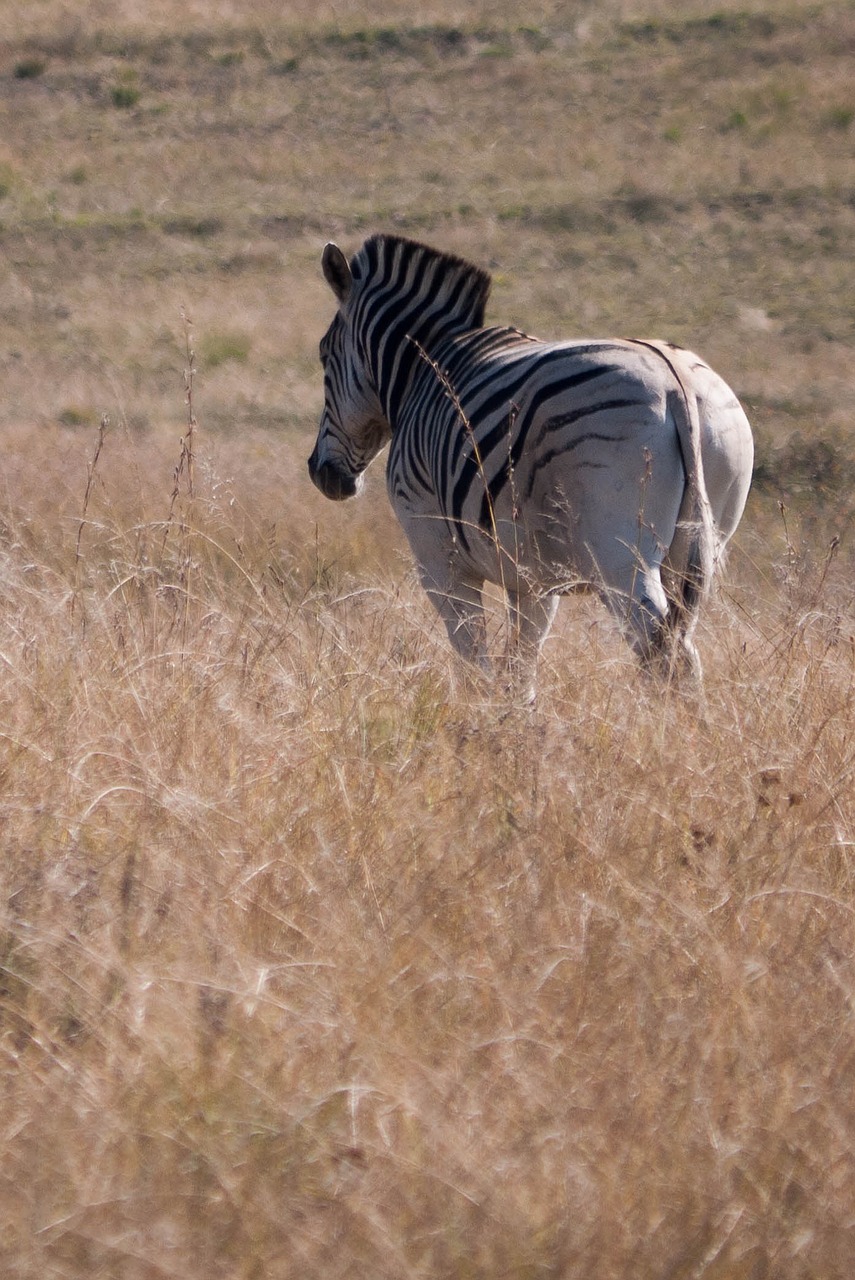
459	605
531	616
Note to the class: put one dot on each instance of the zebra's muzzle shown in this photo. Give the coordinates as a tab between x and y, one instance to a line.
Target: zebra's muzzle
332	482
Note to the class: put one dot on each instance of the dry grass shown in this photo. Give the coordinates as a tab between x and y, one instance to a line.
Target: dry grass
313	967
314	960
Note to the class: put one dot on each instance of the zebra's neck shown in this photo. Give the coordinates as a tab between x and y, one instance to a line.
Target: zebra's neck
410	300
447	365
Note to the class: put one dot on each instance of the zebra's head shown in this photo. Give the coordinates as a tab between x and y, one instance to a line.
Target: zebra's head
353	427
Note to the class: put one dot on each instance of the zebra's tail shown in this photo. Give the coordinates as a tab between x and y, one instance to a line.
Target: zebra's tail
691	556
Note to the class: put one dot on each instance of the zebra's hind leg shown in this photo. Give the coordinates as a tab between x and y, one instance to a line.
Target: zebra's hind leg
683	660
659	635
667	649
531	616
460	607
685	591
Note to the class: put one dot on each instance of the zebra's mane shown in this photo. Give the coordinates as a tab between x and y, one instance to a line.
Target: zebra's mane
385	255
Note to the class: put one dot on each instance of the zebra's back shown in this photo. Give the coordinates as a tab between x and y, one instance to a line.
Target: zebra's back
532	447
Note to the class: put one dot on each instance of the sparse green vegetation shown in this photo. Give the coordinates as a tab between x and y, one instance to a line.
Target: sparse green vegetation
74	416
30	68
840	117
737	119
126	91
220	348
316	959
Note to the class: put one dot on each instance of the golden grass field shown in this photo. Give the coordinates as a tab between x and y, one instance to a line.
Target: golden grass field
315	960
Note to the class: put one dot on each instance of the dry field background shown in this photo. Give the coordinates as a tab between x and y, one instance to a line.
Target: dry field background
315	962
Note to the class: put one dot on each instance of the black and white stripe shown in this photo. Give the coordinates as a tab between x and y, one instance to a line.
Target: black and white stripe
619	465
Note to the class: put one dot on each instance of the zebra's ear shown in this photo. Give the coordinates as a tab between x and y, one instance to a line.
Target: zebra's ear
336	271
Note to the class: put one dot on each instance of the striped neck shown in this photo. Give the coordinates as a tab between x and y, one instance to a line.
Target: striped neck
407	299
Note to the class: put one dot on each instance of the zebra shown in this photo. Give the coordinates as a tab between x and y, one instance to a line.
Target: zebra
615	465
